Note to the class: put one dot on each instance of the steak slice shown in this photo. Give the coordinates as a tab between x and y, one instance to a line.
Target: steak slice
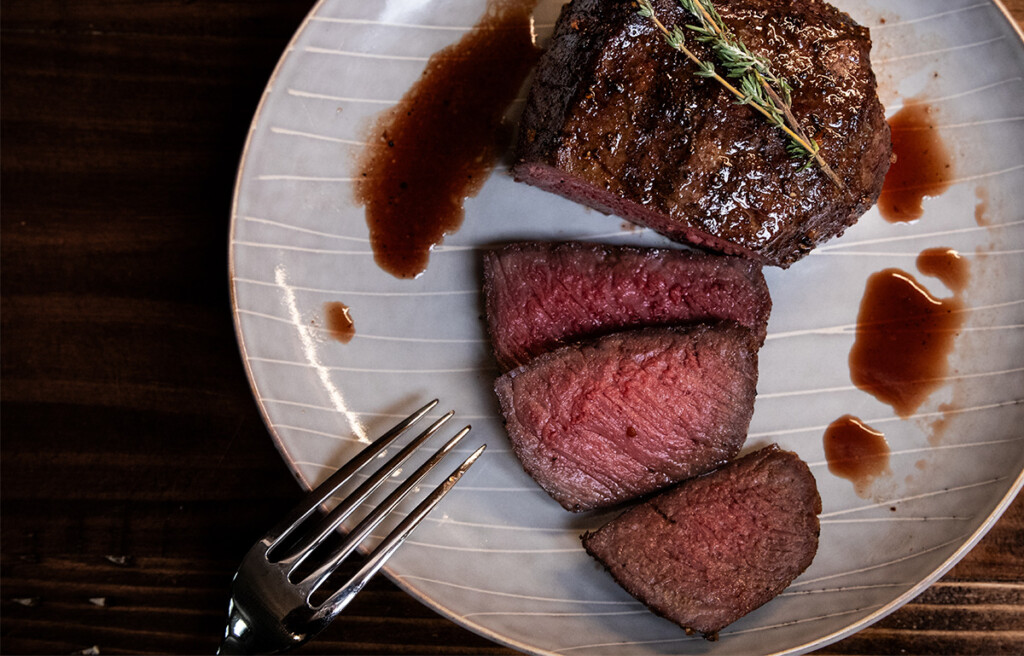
716	547
617	120
598	423
541	295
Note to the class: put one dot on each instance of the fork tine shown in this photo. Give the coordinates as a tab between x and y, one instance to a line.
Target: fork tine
340	513
337	601
339	478
359	533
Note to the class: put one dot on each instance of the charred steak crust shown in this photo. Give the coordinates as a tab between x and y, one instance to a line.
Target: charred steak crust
616	120
539	296
618	417
711	550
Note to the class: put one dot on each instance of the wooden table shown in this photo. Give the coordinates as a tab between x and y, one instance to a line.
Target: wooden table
136	469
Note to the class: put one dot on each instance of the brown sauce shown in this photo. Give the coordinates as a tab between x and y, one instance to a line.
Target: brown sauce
941	423
903	340
945	264
437	146
981	207
923	165
339	322
856	452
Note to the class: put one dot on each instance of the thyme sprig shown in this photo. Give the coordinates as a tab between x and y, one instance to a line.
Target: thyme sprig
757	84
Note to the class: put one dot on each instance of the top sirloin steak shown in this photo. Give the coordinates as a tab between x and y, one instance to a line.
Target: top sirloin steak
617	120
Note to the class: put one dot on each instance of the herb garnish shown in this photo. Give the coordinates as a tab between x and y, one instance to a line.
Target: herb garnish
758	85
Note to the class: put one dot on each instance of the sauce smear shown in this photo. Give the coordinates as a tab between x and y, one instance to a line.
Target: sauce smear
903	340
339	322
856	452
981	207
945	264
438	144
923	165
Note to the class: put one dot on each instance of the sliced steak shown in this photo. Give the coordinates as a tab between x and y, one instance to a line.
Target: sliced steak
617	120
601	422
542	295
716	547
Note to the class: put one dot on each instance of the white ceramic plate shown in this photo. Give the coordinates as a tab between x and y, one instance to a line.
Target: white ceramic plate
500	557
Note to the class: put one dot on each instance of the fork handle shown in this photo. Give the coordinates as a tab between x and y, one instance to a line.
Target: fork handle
253	632
237	635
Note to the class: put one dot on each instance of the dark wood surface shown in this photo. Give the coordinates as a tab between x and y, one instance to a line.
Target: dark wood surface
135	467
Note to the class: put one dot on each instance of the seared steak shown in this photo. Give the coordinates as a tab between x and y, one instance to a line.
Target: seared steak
716	547
598	423
617	120
542	295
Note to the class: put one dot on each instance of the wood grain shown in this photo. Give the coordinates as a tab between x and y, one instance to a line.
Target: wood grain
136	468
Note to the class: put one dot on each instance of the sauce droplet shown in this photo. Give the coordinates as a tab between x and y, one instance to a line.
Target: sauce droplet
923	165
437	146
339	322
903	340
945	264
856	452
981	207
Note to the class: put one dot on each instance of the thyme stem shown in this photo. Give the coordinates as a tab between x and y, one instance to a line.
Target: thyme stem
721	80
754	73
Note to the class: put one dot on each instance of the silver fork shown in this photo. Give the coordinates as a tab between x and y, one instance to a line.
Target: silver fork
268	612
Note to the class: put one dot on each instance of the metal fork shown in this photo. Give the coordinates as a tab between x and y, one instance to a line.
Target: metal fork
271	613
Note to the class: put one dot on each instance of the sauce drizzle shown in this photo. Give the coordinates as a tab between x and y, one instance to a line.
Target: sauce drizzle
339	322
856	452
903	340
923	165
945	264
437	146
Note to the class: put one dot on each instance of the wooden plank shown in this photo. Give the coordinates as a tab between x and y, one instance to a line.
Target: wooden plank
128	426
